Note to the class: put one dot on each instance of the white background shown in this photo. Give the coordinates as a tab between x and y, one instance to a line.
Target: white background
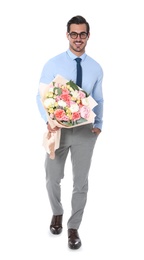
113	227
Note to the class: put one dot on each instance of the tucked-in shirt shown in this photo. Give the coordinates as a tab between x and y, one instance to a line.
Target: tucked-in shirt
64	64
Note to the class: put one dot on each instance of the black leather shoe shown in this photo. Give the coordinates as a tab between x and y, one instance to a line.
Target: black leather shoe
56	224
74	241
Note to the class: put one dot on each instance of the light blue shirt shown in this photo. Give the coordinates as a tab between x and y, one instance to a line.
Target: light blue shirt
64	64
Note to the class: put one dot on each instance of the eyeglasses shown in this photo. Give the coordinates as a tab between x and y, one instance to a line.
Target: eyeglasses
74	35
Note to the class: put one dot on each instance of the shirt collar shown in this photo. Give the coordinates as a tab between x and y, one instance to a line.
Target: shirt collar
73	56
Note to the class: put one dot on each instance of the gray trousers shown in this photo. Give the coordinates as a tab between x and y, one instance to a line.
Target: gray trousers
80	141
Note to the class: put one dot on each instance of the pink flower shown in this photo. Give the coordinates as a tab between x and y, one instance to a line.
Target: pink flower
85	112
75	116
82	94
59	114
65	118
65	91
65	97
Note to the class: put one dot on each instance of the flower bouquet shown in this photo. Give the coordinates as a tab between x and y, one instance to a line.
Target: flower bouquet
67	105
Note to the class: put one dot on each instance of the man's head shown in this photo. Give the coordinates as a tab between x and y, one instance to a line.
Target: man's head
78	20
78	32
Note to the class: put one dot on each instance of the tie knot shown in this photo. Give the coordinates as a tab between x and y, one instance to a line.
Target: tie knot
78	60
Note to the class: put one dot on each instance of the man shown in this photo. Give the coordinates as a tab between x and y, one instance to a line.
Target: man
79	141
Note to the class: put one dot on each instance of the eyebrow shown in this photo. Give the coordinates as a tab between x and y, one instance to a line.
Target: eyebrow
79	33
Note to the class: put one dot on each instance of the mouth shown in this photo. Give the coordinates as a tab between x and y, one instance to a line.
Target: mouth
78	44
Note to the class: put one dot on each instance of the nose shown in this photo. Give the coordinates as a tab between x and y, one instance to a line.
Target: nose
78	37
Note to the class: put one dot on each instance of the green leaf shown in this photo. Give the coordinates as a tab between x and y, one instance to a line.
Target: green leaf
72	85
57	90
75	87
81	120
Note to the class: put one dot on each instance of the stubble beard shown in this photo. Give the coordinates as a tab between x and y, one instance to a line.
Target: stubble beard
78	48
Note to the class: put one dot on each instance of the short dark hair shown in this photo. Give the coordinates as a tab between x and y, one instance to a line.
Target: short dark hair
78	20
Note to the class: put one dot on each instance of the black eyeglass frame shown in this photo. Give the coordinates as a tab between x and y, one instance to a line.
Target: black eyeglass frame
74	35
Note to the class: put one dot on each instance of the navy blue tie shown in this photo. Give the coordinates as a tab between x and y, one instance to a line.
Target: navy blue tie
79	72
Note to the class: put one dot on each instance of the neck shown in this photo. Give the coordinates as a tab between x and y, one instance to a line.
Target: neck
78	53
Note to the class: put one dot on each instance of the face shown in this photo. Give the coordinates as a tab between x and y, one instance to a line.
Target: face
77	46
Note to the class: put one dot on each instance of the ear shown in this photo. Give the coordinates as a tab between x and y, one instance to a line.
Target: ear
67	35
88	35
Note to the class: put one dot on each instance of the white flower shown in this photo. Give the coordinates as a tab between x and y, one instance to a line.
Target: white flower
49	102
61	103
74	108
75	94
85	102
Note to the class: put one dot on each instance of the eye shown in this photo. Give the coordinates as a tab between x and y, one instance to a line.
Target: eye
73	34
83	35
